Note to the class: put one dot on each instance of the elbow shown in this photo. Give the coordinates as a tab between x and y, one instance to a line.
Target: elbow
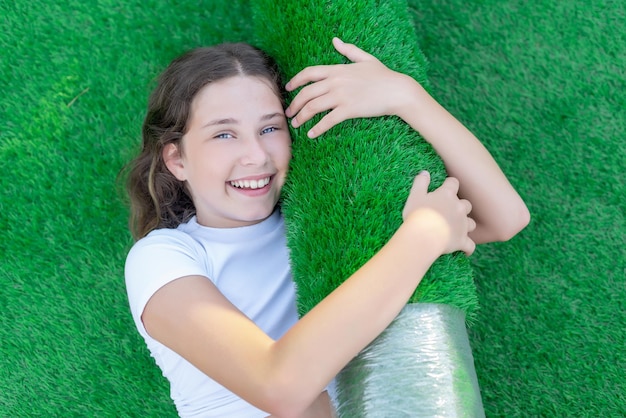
281	400
516	221
502	228
281	389
281	406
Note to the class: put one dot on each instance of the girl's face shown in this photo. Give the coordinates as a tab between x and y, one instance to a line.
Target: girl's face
236	152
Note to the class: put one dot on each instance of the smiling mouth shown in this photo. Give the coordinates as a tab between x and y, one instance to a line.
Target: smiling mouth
250	184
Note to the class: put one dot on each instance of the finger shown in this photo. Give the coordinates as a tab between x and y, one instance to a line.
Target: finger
471	224
308	75
468	206
419	188
470	247
451	183
312	108
328	121
351	51
304	96
421	182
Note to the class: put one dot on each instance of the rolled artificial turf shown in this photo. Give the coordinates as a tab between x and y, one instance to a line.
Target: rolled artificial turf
346	189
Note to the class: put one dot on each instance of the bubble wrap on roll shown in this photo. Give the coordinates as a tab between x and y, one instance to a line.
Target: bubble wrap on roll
420	366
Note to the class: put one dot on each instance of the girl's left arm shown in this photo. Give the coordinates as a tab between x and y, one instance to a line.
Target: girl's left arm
499	211
367	88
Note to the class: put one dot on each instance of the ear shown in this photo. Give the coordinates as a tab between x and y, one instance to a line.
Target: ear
173	160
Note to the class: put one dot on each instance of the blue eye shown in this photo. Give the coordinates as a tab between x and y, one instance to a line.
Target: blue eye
223	136
268	130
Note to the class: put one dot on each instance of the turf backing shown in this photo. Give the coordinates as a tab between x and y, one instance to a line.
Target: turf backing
541	83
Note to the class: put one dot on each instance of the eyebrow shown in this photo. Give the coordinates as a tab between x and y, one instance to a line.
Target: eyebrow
232	121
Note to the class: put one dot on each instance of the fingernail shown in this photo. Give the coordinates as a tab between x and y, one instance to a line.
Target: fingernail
310	134
424	173
338	40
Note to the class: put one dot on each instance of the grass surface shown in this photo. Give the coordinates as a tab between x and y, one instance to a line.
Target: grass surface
542	85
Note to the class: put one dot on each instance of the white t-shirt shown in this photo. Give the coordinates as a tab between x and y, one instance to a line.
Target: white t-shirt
249	265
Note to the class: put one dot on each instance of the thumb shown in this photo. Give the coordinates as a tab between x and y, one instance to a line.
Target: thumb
352	52
421	183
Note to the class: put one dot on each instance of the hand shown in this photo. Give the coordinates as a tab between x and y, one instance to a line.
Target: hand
446	205
365	88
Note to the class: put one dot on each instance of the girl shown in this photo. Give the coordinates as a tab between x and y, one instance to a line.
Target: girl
208	279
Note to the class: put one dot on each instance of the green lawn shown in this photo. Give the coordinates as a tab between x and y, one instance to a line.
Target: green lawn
542	84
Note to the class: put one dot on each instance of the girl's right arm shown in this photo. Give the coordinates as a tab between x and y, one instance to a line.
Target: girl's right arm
285	377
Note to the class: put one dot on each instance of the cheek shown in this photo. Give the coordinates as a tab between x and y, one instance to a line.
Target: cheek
281	150
288	154
287	149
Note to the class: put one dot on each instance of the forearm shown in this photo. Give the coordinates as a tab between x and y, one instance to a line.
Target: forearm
353	315
497	208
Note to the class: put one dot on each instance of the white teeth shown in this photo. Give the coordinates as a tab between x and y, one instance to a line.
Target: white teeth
250	184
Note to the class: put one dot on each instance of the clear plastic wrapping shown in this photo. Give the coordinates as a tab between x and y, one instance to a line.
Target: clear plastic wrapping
420	366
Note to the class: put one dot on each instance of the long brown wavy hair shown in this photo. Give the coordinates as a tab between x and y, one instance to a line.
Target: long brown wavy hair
157	198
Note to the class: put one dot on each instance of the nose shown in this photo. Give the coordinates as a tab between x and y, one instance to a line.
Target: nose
254	152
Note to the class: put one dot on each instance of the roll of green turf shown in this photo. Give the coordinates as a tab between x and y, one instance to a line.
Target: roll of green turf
346	189
345	192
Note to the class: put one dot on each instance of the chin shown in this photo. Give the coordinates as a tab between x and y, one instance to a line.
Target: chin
257	216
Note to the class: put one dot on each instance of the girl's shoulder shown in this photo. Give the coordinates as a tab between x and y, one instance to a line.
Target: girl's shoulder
160	257
167	237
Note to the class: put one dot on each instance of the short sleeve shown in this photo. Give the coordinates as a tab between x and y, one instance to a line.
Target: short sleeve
156	260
